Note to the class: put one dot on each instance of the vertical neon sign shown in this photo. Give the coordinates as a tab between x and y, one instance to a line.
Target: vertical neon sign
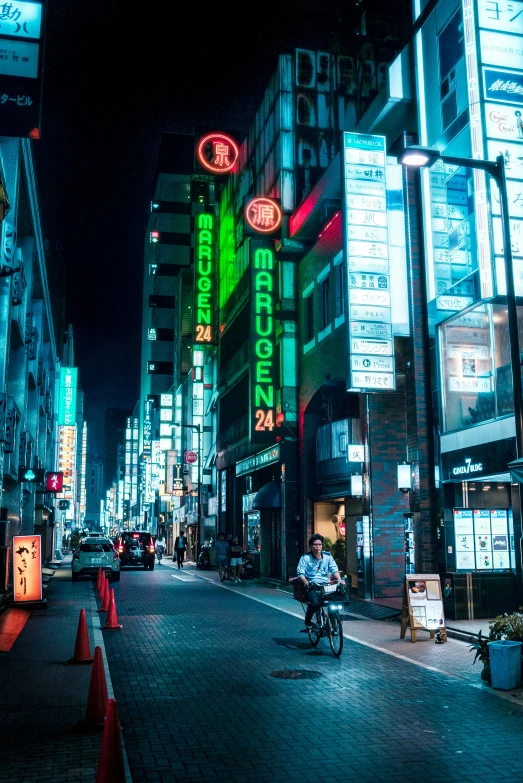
262	371
203	280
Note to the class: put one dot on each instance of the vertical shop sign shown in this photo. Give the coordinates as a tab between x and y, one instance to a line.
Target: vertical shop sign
262	367
371	347
21	28
67	397
204	309
147	427
494	60
27	568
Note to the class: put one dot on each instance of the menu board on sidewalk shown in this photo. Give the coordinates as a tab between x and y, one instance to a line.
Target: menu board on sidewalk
422	606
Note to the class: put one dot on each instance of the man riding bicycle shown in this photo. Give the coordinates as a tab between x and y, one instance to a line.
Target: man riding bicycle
316	569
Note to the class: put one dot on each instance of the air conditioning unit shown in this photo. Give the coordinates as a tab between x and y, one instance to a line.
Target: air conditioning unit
7	250
306	68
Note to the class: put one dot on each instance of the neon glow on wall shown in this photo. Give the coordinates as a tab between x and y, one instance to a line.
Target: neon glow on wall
204	280
262	412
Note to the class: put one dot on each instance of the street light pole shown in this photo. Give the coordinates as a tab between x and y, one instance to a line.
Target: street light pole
422	157
198	428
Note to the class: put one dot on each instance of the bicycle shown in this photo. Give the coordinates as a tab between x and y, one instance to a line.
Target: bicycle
328	623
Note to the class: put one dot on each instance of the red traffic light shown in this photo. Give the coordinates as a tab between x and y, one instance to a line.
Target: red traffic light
54	482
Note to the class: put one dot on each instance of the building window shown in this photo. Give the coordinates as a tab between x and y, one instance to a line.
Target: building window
476	366
325	297
308	318
340	287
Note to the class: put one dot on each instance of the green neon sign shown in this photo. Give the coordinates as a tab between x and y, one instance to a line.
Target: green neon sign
262	411
204	279
67	397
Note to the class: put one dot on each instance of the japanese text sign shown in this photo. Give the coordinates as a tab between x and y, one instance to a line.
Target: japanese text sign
366	252
27	568
262	366
21	20
67	398
262	215
54	482
217	152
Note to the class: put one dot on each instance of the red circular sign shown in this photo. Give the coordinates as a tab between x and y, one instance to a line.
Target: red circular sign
263	215
191	457
217	152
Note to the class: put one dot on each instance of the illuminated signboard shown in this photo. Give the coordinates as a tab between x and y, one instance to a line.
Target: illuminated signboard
147	428
27	568
217	153
20	68
495	77
67	397
262	369
54	482
262	215
371	354
203	280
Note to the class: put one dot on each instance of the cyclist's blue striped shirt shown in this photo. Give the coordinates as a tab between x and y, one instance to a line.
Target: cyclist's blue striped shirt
317	571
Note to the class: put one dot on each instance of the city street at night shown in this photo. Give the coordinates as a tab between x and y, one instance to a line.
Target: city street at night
261	392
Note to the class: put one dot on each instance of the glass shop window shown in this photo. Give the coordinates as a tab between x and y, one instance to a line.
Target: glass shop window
476	367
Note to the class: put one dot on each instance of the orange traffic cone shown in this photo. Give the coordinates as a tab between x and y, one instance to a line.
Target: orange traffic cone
110	762
111	621
82	651
97	699
99	578
101	589
105	597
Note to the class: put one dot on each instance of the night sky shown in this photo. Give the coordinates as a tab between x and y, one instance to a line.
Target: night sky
116	76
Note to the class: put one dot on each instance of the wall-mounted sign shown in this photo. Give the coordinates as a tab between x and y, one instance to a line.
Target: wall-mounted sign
204	305
356	453
54	482
67	396
262	368
21	20
367	258
217	152
257	461
504	86
262	215
20	68
191	457
467	468
27	568
147	427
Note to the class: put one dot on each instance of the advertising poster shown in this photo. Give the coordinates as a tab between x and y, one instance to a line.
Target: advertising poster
482	539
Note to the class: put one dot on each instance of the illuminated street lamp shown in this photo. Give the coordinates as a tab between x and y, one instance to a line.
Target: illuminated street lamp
424	157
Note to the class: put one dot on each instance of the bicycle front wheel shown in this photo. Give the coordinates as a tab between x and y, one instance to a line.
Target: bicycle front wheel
315	631
335	633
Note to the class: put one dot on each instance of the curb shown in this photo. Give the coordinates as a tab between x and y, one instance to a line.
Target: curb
99	642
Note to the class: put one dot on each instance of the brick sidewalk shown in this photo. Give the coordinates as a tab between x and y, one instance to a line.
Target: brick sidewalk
42	699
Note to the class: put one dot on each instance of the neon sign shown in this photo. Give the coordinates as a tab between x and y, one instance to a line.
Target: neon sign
203	280
217	153
263	215
263	343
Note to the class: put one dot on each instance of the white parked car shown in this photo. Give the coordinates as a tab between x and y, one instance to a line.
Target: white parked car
92	553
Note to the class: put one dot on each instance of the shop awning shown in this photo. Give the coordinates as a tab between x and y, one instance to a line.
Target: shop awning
269	496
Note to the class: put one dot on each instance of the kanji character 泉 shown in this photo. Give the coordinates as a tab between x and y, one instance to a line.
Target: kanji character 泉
221	153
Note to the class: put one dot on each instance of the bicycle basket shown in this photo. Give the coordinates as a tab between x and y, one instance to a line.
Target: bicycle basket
330	589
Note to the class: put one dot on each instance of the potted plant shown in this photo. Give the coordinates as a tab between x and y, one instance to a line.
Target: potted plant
506	626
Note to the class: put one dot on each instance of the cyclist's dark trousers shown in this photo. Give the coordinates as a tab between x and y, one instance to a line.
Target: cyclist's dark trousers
180	554
313	601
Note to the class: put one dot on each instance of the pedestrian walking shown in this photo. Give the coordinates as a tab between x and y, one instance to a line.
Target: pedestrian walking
159	548
180	547
236	559
223	552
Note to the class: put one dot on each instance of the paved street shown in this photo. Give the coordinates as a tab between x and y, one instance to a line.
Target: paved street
192	673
